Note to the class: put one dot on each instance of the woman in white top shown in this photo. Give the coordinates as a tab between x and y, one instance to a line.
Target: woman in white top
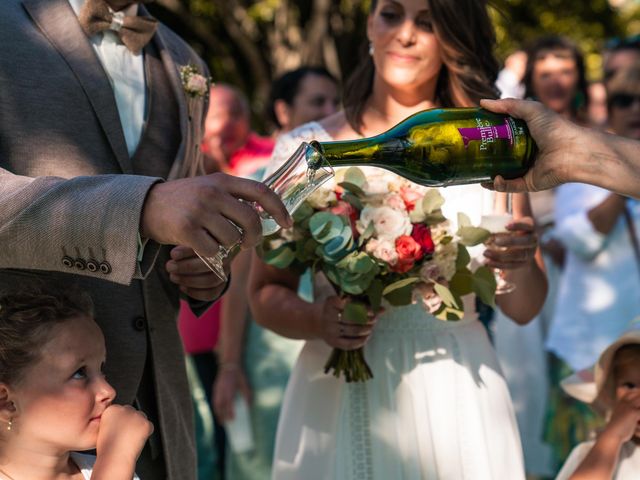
437	406
599	290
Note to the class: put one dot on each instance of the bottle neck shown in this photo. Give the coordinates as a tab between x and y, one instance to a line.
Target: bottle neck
351	152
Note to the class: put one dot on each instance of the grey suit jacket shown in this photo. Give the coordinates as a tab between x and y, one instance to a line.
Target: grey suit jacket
68	191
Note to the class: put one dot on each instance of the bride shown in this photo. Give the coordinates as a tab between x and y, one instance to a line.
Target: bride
438	406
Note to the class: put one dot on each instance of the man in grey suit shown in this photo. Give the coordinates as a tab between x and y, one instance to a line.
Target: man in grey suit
94	116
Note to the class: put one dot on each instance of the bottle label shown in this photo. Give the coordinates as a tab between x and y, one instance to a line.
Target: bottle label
486	133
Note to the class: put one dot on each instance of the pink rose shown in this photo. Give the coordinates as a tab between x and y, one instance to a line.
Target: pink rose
422	235
382	250
197	84
409	251
410	197
394	201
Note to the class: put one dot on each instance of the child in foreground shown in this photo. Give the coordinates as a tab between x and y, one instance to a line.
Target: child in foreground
54	398
615	454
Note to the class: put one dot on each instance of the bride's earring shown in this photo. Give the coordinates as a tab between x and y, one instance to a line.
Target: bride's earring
9	425
371	49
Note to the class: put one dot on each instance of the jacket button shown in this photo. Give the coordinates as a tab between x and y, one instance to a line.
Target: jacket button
92	265
80	264
105	268
67	261
139	324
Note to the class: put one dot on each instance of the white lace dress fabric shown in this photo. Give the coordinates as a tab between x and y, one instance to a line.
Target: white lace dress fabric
437	408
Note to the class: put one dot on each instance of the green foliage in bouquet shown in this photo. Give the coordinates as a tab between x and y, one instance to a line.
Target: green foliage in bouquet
331	237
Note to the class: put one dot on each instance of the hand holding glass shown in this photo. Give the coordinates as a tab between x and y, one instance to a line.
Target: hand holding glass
497	225
293	182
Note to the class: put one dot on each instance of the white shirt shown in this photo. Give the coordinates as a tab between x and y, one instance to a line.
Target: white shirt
85	464
126	74
627	466
598	293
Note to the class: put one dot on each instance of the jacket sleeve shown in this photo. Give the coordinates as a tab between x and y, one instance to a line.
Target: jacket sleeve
85	225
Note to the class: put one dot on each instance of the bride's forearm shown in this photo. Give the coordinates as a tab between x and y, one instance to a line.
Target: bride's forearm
279	309
275	303
526	301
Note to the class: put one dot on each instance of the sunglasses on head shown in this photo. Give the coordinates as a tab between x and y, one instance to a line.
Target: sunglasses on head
623	100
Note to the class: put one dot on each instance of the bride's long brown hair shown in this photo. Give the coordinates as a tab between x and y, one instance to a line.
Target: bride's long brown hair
469	71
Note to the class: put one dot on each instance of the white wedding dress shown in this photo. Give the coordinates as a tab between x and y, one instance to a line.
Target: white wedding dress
437	408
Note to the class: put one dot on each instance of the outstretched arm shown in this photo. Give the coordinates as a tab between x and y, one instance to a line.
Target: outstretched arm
570	153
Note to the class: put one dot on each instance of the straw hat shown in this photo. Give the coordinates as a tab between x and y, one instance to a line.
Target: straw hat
595	385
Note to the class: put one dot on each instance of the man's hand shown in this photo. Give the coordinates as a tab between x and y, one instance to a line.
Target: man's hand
558	143
192	276
197	212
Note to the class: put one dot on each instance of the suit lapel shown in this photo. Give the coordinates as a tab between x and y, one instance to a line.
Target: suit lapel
57	20
172	60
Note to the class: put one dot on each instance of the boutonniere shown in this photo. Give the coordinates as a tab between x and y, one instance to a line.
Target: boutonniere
194	83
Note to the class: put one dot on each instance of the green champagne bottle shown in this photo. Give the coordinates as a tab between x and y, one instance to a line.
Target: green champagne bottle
442	147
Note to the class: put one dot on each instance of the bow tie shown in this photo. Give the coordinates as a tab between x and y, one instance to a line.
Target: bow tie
99	15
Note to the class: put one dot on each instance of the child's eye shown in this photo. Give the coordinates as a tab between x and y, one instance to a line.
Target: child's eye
629	385
80	374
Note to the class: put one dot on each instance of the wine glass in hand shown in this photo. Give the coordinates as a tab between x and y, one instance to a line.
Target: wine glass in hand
293	182
496	223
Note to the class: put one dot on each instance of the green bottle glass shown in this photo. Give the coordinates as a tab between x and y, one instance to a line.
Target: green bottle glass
442	147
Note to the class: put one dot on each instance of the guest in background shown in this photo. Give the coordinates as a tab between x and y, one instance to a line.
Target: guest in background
256	362
619	53
615	453
300	96
229	146
554	74
598	292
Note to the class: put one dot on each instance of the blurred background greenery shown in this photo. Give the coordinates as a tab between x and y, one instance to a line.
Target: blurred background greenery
247	43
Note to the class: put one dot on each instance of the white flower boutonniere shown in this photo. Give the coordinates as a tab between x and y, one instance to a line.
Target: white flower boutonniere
194	83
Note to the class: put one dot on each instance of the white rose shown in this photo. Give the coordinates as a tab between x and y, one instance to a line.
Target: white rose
383	250
379	182
388	223
322	198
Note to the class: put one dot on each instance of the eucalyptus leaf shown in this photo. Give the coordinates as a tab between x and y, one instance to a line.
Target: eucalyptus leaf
463	220
463	258
471	236
400	284
281	257
302	213
353	188
461	283
432	201
445	294
484	285
355	176
449	314
325	225
400	296
352	200
355	312
434	218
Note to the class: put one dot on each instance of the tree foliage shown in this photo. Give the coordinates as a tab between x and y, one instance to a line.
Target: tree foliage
248	42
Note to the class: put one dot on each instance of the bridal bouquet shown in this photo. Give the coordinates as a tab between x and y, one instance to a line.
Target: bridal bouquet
382	240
